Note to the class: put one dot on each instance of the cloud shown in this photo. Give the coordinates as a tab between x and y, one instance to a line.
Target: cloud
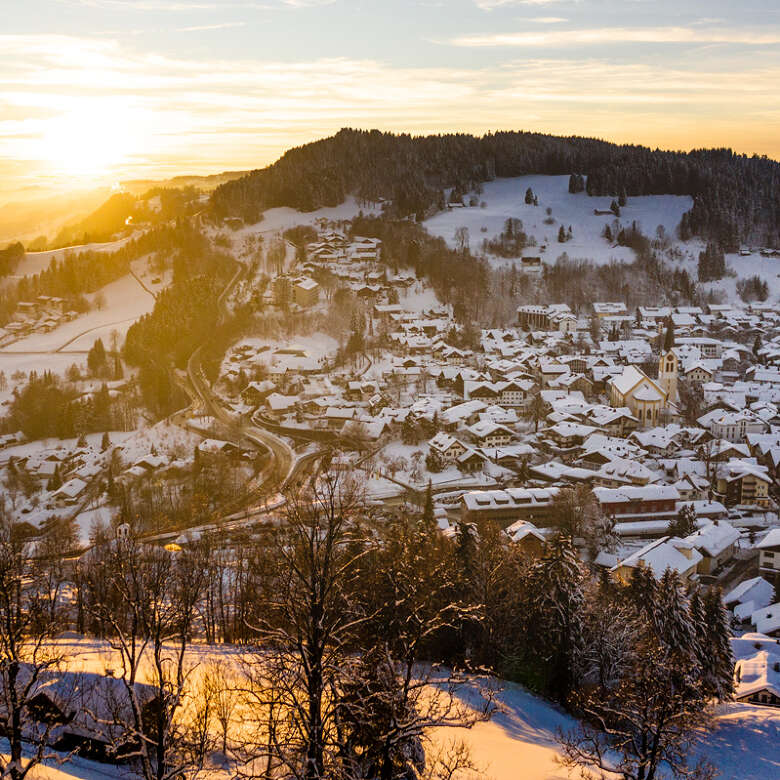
489	5
175	6
179	114
601	35
206	27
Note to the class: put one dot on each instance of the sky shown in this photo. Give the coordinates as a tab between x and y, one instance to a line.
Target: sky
96	91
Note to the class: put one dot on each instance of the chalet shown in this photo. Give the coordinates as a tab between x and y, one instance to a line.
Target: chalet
531	265
716	542
744	483
769	553
651	502
660	555
71	492
447	447
749	596
508	506
757	669
527	538
489	434
470	461
767	620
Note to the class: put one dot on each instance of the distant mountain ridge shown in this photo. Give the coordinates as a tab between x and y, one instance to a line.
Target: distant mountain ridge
736	198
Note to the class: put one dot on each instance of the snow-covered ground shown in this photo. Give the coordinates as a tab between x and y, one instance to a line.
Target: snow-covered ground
125	300
35	262
505	198
519	741
283	218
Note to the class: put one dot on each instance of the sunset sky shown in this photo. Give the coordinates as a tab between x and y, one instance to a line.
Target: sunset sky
92	91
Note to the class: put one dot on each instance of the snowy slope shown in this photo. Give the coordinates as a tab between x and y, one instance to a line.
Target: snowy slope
520	740
506	198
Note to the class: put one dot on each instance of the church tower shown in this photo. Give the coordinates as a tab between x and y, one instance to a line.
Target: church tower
668	369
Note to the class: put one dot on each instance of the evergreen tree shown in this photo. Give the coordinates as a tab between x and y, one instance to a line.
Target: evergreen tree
669	335
555	587
683	523
428	518
561	235
719	666
529	197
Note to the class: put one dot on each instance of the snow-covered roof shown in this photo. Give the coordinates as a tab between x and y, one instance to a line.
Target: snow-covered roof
662	554
714	538
756	588
771	540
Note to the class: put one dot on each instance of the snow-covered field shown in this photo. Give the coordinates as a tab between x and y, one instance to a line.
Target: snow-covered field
283	218
519	741
35	262
125	300
505	198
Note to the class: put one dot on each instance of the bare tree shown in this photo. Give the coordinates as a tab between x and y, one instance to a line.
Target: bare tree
146	600
305	625
30	617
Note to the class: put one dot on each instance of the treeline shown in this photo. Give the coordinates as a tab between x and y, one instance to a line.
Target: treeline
458	277
122	210
48	407
735	197
185	315
10	257
79	273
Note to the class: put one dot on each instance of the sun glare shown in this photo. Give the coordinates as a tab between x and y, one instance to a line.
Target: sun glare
87	144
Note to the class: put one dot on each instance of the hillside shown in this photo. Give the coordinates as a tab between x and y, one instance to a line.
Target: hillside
735	198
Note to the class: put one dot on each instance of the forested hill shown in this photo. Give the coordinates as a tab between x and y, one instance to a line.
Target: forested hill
736	198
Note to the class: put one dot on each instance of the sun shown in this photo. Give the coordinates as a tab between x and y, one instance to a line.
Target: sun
89	143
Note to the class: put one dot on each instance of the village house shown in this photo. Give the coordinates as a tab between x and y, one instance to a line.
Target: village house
716	542
744	483
769	553
508	506
447	447
757	670
650	502
660	555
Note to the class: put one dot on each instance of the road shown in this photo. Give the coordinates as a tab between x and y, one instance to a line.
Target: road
283	456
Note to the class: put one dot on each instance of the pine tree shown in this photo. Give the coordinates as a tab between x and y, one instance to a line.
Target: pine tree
683	523
555	585
561	235
757	345
529	196
105	442
669	335
719	669
428	518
